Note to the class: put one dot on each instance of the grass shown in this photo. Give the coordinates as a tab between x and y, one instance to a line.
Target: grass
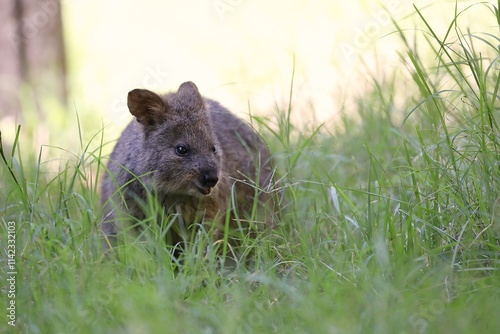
393	224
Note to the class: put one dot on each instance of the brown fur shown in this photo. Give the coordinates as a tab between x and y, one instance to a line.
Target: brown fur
188	152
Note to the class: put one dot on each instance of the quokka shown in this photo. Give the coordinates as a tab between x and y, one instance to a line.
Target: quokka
196	158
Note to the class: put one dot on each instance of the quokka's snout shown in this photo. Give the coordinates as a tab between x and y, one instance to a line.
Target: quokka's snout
207	179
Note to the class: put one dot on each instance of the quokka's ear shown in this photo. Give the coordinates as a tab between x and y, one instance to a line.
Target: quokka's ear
190	95
147	107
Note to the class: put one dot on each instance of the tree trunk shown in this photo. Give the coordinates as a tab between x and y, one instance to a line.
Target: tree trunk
10	64
31	54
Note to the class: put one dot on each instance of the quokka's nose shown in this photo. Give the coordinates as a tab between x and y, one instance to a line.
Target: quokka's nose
208	178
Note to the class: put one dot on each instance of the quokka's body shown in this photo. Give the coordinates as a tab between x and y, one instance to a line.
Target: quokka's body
194	156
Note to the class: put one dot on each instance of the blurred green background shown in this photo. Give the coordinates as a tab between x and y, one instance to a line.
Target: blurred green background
242	53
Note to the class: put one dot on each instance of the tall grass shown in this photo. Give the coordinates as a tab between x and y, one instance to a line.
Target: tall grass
392	223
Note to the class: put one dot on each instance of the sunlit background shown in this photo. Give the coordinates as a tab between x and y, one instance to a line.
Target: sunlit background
243	53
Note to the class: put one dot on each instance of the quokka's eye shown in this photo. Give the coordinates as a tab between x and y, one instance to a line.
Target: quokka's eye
214	149
181	150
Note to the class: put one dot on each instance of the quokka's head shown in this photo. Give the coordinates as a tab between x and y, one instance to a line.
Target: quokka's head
180	145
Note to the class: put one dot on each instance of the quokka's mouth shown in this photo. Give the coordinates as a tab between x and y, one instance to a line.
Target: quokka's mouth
203	190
